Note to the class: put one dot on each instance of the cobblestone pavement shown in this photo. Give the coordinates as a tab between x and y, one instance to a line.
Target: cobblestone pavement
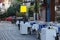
10	31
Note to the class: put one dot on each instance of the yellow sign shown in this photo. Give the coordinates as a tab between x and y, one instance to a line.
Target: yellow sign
23	8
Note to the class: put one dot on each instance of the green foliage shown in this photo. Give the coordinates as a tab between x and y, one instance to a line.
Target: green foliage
20	14
19	0
12	9
30	11
58	18
31	7
36	8
4	15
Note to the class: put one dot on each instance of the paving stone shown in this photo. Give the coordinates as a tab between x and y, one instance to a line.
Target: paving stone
10	31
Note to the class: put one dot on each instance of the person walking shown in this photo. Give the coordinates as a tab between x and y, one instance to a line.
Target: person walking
18	23
25	19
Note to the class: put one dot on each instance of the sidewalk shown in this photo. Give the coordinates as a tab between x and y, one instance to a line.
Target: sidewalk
10	32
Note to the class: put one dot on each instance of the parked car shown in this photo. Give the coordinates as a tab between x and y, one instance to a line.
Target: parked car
8	19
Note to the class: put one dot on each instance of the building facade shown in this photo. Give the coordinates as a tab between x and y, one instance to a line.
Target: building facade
4	5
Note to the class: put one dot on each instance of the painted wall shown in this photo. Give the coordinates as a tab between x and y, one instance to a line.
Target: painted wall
43	15
0	1
7	4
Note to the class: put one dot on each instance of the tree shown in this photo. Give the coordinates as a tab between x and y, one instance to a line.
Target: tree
31	11
19	14
4	15
36	6
12	9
